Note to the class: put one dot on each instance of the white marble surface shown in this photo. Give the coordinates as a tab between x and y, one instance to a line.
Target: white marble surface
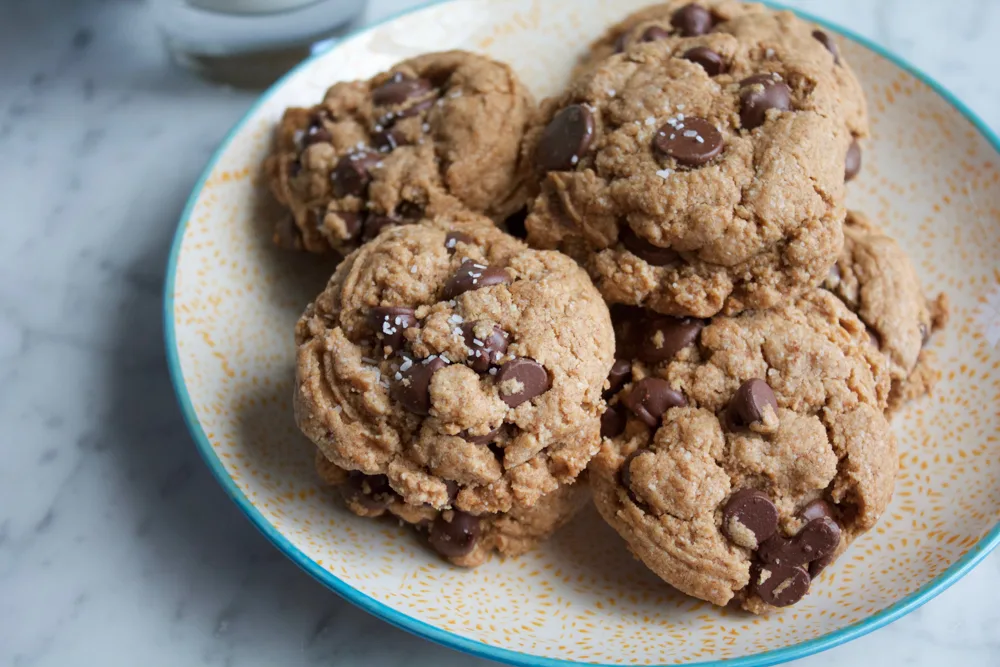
116	546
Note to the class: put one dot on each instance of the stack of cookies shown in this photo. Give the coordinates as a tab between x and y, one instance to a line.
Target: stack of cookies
647	291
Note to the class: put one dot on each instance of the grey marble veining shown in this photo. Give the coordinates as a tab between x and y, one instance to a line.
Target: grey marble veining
116	546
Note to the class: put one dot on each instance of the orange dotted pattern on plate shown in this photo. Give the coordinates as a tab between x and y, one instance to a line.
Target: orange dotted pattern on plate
928	176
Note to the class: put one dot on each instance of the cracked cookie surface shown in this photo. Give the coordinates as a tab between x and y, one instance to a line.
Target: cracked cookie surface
692	190
461	364
436	132
742	456
879	283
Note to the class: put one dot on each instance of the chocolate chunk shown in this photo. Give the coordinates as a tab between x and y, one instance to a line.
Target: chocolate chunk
527	379
748	404
375	223
353	223
370	491
759	94
817	509
399	89
621	371
415	109
352	174
566	139
852	165
389	323
692	20
827	42
749	517
472	276
666	336
413	390
454	536
452	239
316	133
654	33
388	140
710	61
650	398
485	351
779	586
817	539
692	143
482	439
613	422
646	251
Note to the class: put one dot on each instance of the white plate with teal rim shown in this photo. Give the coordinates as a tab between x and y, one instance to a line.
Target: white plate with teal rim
931	177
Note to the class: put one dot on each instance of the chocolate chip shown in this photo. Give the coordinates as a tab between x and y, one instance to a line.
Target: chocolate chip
749	403
415	109
779	586
482	439
666	336
388	140
852	165
621	371
527	379
352	174
484	351
817	509
613	422
692	143
654	33
454	536
515	224
646	251
827	42
749	517
817	539
566	139
692	20
375	223
399	89
473	276
625	471
452	239
389	323
650	398
759	94
353	223
413	390
316	133
451	486
710	61
370	491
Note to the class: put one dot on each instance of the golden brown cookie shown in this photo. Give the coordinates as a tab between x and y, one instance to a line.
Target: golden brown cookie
464	539
877	281
742	456
694	191
461	364
436	132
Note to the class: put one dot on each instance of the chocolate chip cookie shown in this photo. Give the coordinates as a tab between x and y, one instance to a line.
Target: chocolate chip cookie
436	132
877	281
464	539
694	191
459	363
807	55
743	455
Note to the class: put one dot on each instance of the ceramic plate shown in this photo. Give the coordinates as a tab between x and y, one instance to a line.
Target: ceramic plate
930	176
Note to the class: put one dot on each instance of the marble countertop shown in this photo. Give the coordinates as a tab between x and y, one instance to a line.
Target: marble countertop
116	545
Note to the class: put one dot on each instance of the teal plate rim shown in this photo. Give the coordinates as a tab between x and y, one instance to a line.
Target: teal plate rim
420	628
